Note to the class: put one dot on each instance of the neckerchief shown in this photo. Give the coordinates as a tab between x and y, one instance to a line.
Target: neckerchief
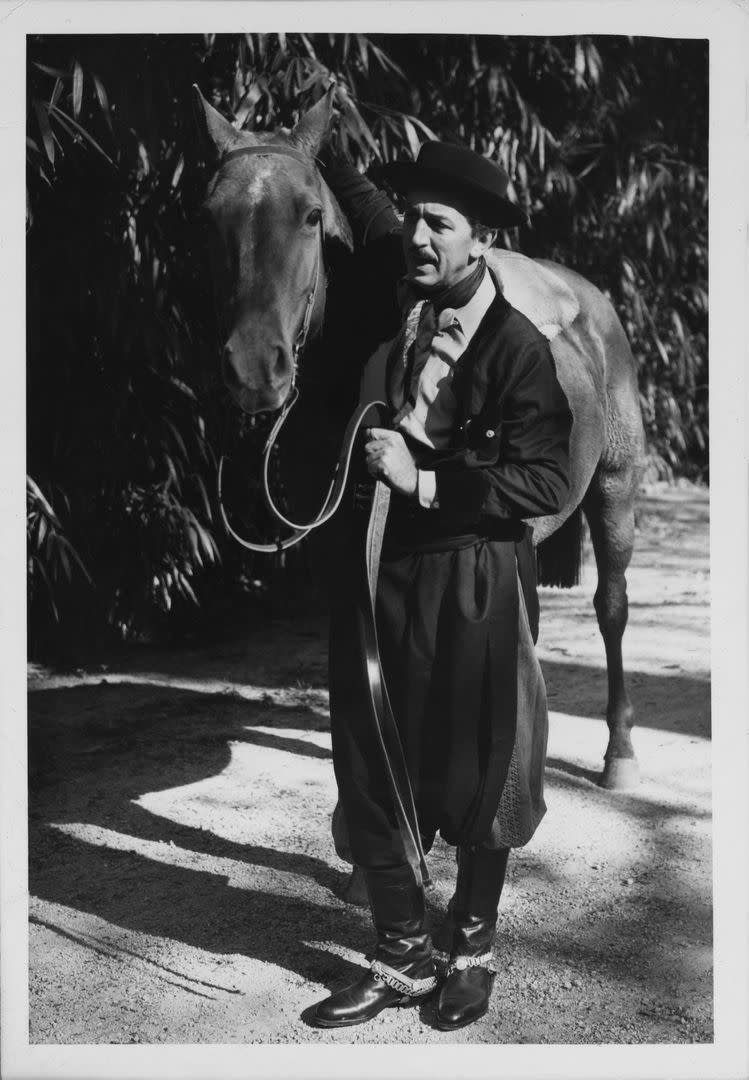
423	317
454	296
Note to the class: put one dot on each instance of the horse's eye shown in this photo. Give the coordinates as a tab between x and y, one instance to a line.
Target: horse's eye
315	216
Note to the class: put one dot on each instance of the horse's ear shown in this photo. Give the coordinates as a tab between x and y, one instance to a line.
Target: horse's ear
310	135
314	127
335	224
215	130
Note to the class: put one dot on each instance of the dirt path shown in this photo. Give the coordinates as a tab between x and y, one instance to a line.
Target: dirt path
183	883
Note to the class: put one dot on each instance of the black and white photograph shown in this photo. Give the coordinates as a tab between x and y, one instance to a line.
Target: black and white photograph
376	677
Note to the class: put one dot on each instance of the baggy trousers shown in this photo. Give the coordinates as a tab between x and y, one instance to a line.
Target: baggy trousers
467	695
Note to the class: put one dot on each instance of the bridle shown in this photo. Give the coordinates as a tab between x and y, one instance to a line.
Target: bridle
381	710
276	149
340	475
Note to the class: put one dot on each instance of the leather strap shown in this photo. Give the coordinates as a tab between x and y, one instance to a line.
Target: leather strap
379	702
462	963
335	491
267	149
396	980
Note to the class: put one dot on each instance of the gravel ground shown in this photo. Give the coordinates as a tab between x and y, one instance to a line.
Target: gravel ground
183	886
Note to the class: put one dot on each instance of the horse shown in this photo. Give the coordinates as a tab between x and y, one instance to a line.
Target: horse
274	220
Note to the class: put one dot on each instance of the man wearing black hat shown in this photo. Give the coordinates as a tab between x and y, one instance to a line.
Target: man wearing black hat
475	442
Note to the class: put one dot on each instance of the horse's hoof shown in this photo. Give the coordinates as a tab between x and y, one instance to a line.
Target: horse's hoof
620	774
355	889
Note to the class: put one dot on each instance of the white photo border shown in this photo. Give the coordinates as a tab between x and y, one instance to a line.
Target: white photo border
726	25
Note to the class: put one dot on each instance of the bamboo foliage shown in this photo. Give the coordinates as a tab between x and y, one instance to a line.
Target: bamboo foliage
53	562
605	141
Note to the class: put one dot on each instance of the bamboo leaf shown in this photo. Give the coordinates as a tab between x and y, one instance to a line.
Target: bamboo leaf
62	555
363	44
73	554
206	505
102	98
77	89
45	131
62	118
248	103
183	387
177	171
208	545
413	139
308	46
35	493
580	64
678	326
177	437
387	63
56	72
187	589
289	79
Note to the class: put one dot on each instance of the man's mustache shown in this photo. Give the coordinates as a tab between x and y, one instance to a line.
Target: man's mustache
420	256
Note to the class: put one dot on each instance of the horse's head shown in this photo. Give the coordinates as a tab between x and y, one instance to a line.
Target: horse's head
269	214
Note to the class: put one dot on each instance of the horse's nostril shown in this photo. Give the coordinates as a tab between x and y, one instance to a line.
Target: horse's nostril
283	364
228	368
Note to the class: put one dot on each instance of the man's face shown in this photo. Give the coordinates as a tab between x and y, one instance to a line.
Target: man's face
437	241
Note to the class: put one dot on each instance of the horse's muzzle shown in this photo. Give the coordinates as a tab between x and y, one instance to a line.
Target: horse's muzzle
253	389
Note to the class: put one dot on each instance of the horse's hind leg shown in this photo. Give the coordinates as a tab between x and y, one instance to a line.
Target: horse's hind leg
609	507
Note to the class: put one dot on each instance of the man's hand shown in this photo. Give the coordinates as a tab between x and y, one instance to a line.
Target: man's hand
389	459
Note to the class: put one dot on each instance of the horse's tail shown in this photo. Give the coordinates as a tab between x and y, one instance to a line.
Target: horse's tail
560	556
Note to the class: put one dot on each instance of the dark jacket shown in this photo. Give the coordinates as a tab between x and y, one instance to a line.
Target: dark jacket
510	457
510	452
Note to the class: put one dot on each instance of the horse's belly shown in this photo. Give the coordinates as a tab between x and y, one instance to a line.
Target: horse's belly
581	381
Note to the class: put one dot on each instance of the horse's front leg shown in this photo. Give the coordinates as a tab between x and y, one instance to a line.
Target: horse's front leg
609	509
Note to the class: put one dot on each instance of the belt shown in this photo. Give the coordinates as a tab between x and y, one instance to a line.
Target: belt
411	527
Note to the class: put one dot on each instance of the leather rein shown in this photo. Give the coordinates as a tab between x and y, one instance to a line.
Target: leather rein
378	700
340	474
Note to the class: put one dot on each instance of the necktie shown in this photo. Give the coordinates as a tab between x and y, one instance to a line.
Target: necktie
428	411
398	361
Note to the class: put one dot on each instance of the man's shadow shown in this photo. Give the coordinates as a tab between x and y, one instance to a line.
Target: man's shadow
93	751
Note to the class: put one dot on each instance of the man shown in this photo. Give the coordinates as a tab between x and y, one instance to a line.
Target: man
476	441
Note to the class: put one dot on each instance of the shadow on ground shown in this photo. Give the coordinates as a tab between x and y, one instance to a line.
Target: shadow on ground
94	750
581	690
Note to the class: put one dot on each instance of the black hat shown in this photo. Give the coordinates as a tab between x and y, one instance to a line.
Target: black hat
479	184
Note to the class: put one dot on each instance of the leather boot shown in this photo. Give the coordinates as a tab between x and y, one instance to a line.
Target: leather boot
465	994
402	972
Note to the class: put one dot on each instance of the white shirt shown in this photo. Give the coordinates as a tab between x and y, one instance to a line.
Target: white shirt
429	413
